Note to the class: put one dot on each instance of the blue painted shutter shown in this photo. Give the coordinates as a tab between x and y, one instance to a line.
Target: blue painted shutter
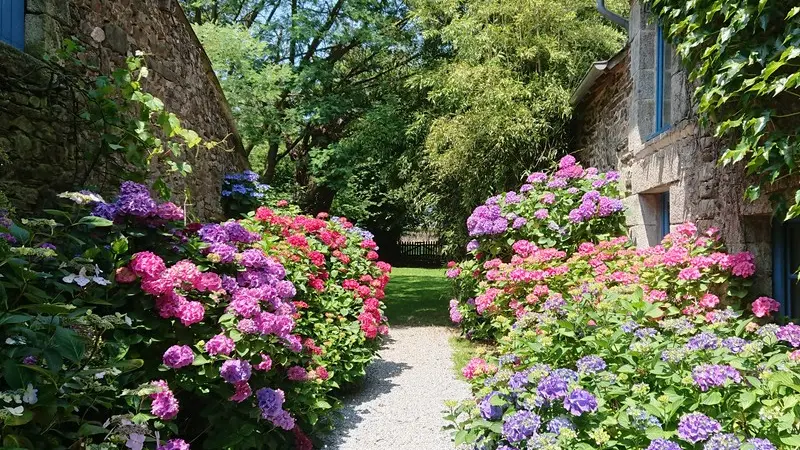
665	214
12	22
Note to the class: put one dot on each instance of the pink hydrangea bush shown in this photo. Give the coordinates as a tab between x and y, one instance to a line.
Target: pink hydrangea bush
571	205
224	335
275	301
688	269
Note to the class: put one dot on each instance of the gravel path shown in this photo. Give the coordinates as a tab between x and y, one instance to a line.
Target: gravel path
400	406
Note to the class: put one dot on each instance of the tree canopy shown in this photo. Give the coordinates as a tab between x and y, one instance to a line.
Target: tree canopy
400	112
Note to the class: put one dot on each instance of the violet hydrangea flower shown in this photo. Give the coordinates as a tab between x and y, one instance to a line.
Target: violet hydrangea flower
663	444
712	375
703	341
488	410
580	401
178	356
724	441
761	444
521	425
235	371
789	333
560	423
696	427
552	387
591	364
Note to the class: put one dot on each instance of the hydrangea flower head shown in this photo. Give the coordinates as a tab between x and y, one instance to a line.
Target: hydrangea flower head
520	426
178	356
235	371
696	427
580	401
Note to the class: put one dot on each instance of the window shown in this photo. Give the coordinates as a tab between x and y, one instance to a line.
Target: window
663	199
654	209
785	262
12	23
663	83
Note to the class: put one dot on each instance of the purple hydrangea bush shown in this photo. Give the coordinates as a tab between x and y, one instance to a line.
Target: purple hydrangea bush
613	369
600	345
140	327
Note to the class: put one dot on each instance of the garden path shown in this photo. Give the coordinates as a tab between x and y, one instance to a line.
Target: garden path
400	406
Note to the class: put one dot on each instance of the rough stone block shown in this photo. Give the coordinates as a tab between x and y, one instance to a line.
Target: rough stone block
117	38
42	35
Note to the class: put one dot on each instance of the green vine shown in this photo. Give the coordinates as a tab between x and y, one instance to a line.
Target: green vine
744	55
137	135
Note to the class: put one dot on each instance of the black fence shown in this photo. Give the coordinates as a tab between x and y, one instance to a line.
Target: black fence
421	254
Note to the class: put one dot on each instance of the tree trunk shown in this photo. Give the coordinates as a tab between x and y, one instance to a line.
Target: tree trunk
272	162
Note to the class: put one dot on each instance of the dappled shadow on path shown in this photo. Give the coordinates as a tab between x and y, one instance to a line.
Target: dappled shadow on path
378	382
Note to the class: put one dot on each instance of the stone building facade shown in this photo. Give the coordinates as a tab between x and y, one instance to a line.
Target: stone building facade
634	114
42	143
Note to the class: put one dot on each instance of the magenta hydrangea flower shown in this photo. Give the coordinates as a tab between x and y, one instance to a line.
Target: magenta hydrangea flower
178	356
219	345
164	404
191	313
175	444
297	373
169	211
147	265
235	371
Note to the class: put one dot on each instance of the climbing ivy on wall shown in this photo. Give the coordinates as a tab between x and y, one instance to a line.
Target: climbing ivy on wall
744	56
136	136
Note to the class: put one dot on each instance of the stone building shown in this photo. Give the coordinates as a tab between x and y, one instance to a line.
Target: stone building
634	114
42	142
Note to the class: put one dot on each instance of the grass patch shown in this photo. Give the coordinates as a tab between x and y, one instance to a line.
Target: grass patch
418	297
464	350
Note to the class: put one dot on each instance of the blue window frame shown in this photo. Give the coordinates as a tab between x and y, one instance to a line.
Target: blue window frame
12	23
664	214
663	117
785	262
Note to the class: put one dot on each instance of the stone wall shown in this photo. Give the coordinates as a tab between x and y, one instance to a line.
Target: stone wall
39	131
681	160
600	122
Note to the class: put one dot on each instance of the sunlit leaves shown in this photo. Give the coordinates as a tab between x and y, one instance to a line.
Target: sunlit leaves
747	78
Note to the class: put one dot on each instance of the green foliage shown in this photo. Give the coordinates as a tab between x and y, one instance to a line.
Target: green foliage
82	348
135	133
499	98
647	382
744	57
300	78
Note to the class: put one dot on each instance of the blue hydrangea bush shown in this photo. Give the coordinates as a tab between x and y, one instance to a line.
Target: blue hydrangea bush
614	371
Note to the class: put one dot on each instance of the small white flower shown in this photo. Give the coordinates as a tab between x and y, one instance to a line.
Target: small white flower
128	321
30	396
16	411
135	441
79	279
100	375
97	278
101	281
